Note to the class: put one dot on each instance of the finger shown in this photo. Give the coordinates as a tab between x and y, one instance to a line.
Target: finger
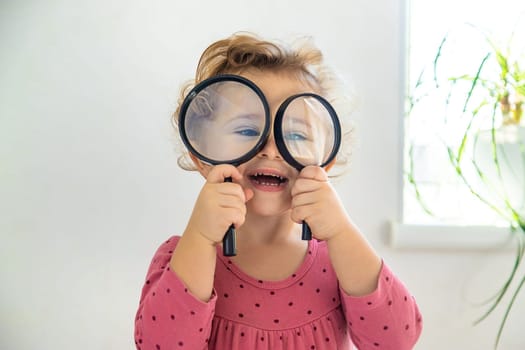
231	189
305	185
313	172
303	199
223	171
237	216
232	202
299	214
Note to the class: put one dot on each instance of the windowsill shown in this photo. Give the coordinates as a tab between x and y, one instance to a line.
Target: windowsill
443	237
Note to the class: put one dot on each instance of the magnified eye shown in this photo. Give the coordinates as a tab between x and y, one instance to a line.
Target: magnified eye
295	136
307	130
247	131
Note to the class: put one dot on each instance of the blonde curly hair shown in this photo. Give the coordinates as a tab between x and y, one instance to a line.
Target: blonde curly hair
244	51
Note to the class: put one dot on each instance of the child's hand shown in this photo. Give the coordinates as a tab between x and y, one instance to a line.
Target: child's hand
219	204
315	201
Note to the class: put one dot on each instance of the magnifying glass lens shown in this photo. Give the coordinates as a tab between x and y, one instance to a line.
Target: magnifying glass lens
225	121
308	131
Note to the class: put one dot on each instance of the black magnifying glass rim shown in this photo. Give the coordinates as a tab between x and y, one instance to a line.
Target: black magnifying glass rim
281	144
201	86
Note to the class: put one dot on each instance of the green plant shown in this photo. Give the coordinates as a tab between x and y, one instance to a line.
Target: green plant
483	101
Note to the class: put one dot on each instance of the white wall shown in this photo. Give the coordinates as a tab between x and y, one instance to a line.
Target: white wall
89	185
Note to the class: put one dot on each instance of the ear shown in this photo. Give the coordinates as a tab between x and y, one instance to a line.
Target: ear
202	168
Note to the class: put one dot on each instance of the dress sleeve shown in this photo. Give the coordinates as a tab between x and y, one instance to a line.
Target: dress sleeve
169	316
386	319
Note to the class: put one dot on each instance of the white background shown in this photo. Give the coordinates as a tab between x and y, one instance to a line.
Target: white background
89	185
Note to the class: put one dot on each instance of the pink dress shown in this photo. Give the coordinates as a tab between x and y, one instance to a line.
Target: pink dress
307	310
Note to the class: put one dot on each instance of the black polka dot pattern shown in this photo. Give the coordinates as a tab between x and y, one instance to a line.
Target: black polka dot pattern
306	310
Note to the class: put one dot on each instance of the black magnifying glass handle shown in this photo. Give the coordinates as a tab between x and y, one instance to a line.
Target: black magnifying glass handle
306	233
228	241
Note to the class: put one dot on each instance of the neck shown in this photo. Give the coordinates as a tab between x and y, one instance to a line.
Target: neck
268	230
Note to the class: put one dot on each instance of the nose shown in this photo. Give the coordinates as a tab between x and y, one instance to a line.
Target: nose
270	150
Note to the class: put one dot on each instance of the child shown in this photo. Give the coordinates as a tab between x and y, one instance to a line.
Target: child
278	292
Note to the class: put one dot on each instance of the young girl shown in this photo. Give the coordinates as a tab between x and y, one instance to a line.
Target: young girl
278	291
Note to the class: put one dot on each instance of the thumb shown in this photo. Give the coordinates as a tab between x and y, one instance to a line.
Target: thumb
313	172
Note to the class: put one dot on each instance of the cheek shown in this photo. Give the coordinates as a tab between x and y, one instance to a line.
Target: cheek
204	169
265	206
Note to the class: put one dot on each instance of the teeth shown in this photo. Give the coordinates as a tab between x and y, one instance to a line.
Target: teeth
272	175
259	177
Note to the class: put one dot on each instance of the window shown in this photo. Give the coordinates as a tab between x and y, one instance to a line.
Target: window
431	125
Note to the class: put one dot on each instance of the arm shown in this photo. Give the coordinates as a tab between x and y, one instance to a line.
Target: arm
373	298
177	303
168	314
355	262
218	206
387	318
379	309
194	261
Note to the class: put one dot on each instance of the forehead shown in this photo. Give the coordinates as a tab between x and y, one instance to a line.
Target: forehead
278	86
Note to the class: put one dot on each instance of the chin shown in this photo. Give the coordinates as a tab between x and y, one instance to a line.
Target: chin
267	208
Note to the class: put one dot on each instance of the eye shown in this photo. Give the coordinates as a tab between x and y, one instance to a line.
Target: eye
295	136
248	132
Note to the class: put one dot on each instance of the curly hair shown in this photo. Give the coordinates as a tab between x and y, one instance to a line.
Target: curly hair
244	51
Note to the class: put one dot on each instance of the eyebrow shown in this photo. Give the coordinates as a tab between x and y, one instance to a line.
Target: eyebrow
248	117
299	120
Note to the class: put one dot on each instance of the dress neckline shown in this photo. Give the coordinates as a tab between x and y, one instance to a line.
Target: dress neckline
307	263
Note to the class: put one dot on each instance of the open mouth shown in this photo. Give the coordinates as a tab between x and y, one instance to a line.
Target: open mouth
268	179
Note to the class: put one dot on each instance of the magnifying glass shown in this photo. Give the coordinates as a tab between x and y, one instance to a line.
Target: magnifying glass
225	120
307	132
